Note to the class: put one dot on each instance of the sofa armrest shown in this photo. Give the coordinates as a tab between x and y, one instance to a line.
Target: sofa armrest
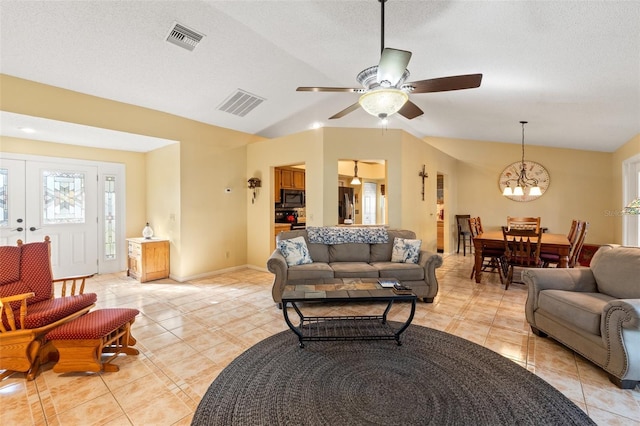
620	329
277	265
430	261
569	279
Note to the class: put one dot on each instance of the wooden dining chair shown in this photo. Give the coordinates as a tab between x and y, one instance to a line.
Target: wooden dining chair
462	221
549	259
521	248
491	257
575	255
523	223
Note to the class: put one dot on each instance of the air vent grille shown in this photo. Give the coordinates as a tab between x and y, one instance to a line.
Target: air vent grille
184	37
240	103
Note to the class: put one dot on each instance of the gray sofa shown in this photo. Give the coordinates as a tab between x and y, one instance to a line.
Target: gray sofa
335	262
595	311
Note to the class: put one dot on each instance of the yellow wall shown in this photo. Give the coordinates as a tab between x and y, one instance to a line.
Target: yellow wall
214	230
319	150
582	185
163	198
211	158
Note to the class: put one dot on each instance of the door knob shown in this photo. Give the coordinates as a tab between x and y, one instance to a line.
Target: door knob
18	229
19	220
33	228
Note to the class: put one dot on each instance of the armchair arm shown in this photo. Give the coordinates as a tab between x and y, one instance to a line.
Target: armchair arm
620	329
75	283
569	279
277	265
430	262
6	310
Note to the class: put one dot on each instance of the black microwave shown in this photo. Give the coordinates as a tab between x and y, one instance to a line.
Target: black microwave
292	198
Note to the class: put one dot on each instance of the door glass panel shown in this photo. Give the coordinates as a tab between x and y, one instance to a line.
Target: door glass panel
369	203
110	217
4	197
64	197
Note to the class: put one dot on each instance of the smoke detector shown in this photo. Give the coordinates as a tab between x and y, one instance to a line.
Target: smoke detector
184	37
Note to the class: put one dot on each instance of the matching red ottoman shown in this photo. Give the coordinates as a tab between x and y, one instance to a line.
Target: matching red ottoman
80	343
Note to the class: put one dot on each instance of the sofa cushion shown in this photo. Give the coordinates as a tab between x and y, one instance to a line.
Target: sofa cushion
318	252
350	252
49	311
582	310
616	270
401	271
382	252
35	271
310	271
405	250
353	270
295	251
10	264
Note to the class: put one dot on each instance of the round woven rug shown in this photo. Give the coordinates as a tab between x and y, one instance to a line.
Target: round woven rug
434	378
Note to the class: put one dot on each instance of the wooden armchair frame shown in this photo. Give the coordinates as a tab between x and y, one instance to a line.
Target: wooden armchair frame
23	349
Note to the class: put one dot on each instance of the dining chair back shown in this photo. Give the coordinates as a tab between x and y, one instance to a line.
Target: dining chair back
576	248
573	235
523	223
464	233
521	248
490	256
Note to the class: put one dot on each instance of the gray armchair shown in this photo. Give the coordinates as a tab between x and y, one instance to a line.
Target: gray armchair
594	311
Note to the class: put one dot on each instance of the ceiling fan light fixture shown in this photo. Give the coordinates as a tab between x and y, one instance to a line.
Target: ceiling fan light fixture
383	102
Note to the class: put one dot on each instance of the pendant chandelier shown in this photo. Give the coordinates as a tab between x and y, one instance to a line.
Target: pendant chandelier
524	184
356	179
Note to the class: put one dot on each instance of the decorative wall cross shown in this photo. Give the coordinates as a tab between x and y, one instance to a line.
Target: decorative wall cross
423	174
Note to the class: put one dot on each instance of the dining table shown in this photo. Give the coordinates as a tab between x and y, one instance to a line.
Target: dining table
550	243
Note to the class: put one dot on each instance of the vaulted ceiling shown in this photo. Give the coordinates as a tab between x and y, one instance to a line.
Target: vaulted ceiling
570	68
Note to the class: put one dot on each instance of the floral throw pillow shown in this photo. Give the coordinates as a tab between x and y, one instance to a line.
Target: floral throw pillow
405	250
295	251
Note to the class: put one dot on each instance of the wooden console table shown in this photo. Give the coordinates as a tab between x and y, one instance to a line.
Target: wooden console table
148	259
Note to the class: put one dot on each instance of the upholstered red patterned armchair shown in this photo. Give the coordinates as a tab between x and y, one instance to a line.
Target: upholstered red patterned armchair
29	308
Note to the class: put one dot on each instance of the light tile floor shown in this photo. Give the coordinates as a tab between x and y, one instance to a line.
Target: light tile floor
188	332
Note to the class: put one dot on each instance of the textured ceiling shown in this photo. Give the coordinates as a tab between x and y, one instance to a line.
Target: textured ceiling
572	69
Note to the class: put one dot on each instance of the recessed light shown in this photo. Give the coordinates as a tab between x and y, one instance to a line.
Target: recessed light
27	129
316	125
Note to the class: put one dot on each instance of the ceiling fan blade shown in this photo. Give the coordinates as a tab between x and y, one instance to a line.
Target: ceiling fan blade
392	64
444	84
410	110
327	89
345	111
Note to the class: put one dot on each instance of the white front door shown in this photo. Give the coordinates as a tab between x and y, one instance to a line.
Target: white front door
57	200
12	202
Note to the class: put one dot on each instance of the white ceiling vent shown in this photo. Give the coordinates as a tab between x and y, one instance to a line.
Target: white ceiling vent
240	103
184	37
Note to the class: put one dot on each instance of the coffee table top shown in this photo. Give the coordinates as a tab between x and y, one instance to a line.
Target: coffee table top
350	290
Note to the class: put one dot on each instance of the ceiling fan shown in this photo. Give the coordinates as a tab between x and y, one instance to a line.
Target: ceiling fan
384	89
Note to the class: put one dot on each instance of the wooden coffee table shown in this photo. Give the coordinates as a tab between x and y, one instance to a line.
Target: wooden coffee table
347	327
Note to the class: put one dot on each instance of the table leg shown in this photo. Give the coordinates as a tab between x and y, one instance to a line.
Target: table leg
290	324
406	324
478	250
564	262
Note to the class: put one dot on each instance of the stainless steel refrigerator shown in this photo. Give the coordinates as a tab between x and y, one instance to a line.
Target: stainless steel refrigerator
345	204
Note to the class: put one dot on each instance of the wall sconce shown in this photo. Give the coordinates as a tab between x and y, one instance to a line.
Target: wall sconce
254	183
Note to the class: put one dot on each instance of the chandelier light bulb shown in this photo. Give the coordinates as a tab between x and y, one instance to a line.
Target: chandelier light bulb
518	191
535	191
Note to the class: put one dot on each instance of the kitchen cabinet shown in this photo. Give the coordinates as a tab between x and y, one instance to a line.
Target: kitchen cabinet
148	259
277	185
290	178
